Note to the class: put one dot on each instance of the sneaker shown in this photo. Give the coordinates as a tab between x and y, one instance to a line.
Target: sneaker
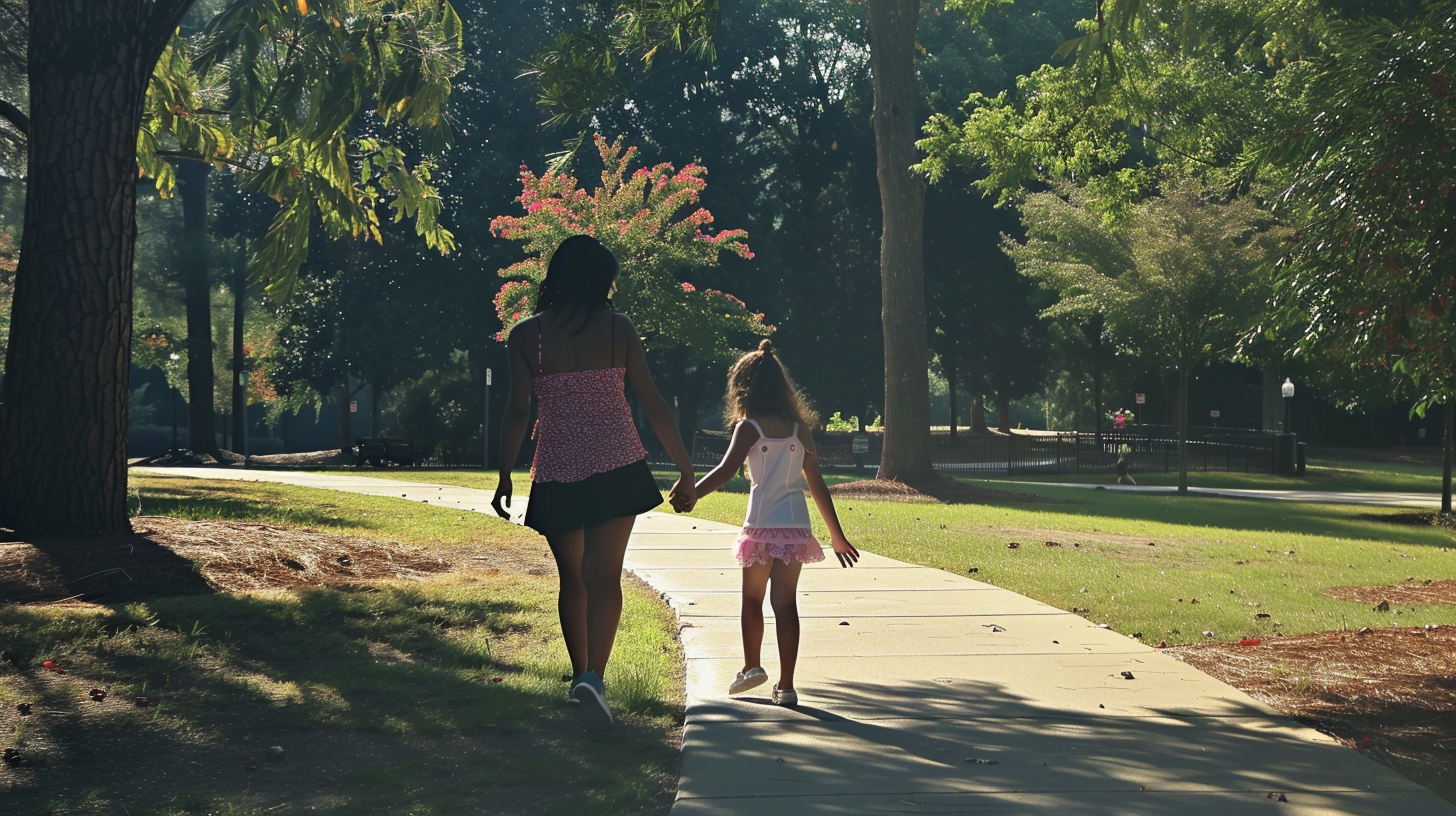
785	697
748	679
592	697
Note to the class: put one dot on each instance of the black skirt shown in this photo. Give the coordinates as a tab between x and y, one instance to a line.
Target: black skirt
555	508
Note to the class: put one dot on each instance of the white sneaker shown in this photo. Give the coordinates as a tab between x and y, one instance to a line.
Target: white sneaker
746	680
785	697
592	706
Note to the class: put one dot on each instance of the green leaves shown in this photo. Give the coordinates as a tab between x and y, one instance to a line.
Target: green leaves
303	101
582	69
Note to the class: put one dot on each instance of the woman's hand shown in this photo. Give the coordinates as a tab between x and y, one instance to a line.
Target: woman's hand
844	551
502	500
683	495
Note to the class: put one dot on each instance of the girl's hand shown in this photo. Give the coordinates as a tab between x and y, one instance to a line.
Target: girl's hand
844	551
683	495
502	500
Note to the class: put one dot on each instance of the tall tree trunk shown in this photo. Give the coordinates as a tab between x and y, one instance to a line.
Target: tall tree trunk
1182	430
239	367
1448	447
1003	414
950	381
978	414
64	424
196	260
346	420
906	452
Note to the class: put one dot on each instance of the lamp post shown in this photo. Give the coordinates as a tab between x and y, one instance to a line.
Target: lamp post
1287	391
174	357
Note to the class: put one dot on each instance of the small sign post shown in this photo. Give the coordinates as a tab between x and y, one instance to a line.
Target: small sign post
485	430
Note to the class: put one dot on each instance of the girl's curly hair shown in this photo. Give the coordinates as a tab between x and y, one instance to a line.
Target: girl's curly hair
759	385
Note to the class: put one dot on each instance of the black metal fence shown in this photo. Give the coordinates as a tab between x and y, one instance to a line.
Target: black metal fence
1147	449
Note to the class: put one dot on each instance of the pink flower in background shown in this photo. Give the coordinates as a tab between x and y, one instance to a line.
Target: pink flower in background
688	287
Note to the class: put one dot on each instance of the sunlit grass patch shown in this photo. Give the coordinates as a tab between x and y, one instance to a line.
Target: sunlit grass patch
1166	567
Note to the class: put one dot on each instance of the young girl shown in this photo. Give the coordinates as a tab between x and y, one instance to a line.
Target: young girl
773	435
590	476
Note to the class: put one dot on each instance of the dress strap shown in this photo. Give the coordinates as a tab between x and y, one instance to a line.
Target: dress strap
539	325
756	426
795	431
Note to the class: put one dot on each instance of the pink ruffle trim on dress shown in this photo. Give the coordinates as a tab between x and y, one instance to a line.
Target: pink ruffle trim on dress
762	545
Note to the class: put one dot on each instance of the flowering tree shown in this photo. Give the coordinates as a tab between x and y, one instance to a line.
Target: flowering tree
650	220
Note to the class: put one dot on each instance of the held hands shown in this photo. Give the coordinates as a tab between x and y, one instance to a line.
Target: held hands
683	495
502	501
843	550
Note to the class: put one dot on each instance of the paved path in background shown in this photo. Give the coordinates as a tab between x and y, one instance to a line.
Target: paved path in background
1428	501
928	693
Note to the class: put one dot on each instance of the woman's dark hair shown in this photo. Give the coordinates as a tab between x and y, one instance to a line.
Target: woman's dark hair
579	279
759	384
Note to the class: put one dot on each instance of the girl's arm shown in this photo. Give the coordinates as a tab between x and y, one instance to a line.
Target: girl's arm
844	550
743	438
682	495
517	414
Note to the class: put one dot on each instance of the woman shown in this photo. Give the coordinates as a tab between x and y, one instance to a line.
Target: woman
589	477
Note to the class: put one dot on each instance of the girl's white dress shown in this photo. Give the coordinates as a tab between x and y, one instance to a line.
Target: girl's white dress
777	526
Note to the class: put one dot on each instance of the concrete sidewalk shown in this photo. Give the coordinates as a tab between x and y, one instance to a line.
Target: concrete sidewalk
926	692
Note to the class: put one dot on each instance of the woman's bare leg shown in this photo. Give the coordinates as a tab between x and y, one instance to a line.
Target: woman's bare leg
571	600
605	547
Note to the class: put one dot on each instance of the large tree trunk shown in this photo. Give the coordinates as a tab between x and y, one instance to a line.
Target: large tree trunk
1003	414
196	262
1183	430
951	385
978	414
1448	450
906	452
64	423
239	367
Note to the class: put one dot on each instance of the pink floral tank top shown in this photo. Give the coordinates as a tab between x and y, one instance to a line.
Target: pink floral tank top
583	424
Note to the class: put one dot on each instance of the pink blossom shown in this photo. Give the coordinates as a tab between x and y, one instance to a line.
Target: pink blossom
688	287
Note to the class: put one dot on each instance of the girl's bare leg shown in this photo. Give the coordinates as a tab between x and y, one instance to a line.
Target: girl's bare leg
784	598
605	547
755	585
571	600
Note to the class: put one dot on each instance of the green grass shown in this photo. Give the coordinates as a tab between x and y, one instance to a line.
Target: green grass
327	510
1321	474
405	697
1137	562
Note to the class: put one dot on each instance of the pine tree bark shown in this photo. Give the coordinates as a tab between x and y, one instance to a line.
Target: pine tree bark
196	260
906	452
63	426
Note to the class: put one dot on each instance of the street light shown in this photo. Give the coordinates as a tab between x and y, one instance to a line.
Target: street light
174	357
1287	391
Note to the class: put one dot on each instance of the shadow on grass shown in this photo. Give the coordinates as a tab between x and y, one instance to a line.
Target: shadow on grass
404	699
112	569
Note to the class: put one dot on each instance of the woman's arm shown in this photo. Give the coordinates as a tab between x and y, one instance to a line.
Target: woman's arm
659	416
844	550
743	438
517	414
